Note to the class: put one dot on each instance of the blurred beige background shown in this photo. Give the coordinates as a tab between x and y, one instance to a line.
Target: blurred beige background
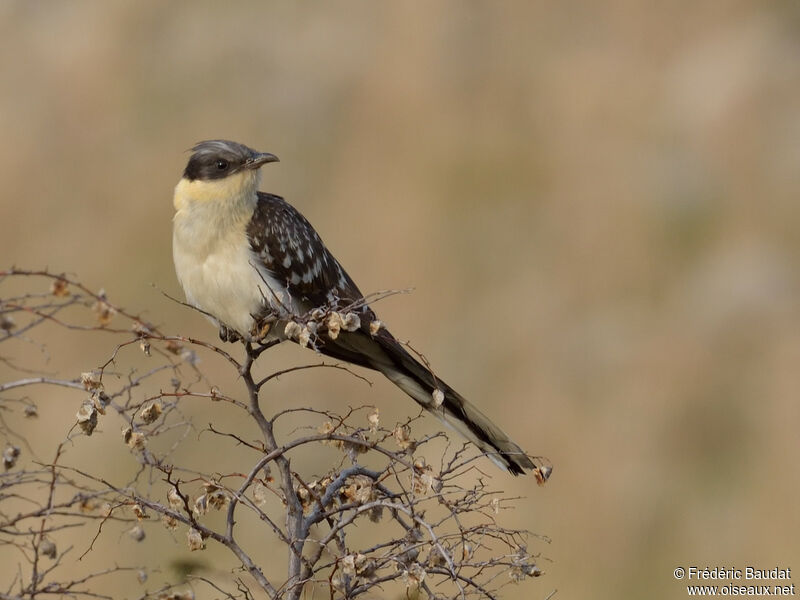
597	204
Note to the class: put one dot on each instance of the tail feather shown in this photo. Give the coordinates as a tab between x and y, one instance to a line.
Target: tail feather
384	353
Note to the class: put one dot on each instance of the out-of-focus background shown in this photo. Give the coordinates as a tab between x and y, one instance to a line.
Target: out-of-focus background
596	203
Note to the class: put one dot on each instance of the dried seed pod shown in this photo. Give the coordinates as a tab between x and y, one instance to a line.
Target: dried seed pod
137	533
7	322
48	548
87	506
134	439
87	417
328	428
190	357
140	328
334	325
423	483
303	496
348	565
375	326
413	576
360	490
58	287
100	400
151	412
91	381
195	540
438	397
292	330
10	456
375	513
522	567
402	435
200	505
337	581
354	448
324	483
139	511
351	322
104	311
260	494
374	420
436	558
466	551
137	441
217	496
174	498
353	564
173	347
417	573
366	567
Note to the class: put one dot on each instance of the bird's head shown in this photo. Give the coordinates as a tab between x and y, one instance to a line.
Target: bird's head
221	169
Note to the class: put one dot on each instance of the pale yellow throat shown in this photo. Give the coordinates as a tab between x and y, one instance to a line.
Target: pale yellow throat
227	191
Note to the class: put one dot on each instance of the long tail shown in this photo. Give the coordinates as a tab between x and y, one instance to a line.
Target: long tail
384	353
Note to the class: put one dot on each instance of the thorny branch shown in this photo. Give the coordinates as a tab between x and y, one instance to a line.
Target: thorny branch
353	508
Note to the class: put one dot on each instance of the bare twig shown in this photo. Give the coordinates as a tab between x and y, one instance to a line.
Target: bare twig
434	530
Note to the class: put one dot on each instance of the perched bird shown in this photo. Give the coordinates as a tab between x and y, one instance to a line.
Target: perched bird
255	264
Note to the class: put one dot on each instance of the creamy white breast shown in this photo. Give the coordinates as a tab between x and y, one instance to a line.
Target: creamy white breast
213	260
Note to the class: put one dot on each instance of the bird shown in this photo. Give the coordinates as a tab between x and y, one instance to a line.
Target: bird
252	263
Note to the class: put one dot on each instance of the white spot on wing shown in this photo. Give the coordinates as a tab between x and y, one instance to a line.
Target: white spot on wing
287	262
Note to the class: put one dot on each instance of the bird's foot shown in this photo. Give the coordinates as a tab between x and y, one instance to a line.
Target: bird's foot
226	334
261	328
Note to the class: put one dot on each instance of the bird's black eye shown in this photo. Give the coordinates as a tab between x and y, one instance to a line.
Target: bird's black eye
222	165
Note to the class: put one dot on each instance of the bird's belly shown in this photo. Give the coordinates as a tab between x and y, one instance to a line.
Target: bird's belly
225	283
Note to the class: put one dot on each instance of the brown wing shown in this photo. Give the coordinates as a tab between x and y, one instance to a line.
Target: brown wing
292	252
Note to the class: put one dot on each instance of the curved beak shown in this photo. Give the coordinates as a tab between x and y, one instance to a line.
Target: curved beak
255	161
